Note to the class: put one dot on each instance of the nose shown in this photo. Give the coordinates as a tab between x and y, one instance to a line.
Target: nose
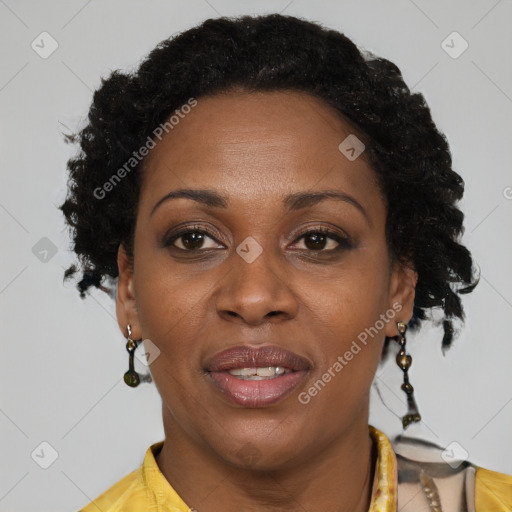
257	291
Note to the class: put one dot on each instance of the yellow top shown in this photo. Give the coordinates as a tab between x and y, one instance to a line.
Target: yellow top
146	488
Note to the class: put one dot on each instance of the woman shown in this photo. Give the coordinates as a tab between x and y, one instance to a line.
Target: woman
276	206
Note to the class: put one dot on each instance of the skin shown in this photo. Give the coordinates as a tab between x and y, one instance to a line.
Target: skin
256	148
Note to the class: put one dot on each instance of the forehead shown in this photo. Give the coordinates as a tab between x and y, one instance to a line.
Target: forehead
257	147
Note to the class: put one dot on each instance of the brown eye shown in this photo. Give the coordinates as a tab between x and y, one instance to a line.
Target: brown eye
191	240
319	240
324	240
315	241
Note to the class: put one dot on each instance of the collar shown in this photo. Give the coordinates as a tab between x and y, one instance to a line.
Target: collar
385	479
384	490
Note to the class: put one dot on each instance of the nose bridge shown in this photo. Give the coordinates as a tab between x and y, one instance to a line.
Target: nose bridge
255	286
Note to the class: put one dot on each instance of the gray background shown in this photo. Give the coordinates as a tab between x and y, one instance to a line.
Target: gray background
63	358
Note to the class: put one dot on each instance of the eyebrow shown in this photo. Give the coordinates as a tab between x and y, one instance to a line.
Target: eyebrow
291	202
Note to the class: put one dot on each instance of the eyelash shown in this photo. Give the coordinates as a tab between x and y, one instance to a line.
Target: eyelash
344	242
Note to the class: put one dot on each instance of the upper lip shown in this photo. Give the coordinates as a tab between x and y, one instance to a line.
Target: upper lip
244	356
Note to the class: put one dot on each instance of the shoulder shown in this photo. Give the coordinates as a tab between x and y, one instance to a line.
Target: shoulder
141	490
430	472
122	496
133	493
493	490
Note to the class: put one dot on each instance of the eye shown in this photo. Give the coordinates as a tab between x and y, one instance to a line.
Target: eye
191	239
316	240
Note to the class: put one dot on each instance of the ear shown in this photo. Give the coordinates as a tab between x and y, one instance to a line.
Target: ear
126	305
401	295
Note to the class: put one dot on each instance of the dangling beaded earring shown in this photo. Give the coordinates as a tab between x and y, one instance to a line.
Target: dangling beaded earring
404	361
131	377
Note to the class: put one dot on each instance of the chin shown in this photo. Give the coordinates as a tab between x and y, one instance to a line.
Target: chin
260	454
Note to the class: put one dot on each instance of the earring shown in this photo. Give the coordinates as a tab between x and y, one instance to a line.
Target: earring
404	361
131	377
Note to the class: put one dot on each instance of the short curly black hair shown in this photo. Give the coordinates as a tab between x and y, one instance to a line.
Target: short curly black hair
265	53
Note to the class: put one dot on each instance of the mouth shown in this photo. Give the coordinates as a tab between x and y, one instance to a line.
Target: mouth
268	372
254	378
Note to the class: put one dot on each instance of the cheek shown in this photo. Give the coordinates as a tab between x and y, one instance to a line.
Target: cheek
352	299
170	315
168	308
350	314
347	355
171	308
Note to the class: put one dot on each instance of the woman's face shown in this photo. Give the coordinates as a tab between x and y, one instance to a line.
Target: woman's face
253	272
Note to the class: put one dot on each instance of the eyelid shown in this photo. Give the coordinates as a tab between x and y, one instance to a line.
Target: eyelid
322	229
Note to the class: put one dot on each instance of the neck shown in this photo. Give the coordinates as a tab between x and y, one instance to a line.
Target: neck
338	478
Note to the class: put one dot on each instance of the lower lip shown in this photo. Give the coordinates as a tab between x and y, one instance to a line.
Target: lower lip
256	393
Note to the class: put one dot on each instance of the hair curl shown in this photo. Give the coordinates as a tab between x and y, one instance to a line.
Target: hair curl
264	53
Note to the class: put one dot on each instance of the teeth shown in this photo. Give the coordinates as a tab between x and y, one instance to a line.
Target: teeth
259	373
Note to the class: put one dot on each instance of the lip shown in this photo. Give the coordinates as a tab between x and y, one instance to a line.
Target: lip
245	356
256	393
